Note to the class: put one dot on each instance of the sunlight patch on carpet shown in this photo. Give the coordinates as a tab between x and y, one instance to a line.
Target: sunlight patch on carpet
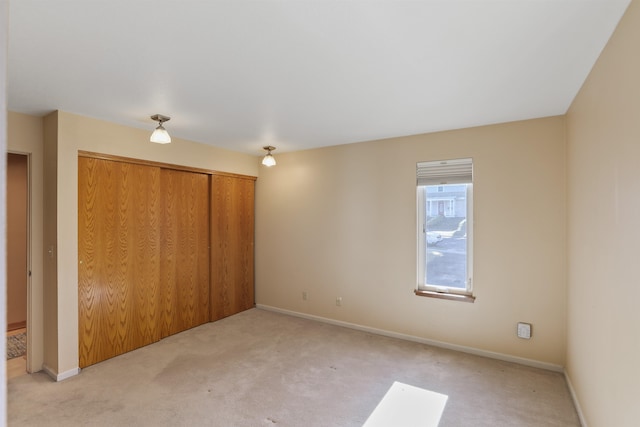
408	406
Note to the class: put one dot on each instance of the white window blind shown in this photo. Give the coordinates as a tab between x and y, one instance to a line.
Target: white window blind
458	171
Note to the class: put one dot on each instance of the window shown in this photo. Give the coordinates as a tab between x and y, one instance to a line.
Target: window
445	228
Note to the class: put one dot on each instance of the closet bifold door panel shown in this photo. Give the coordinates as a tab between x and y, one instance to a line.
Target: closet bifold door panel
232	241
184	253
119	252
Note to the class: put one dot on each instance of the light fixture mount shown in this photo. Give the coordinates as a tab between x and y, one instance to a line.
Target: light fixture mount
160	118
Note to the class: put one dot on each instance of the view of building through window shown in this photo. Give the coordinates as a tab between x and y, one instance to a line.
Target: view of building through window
446	235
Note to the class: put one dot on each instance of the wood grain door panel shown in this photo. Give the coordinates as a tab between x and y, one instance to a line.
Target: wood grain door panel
184	268
118	250
232	252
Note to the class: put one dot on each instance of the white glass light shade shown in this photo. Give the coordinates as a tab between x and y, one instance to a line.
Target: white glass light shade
160	136
269	160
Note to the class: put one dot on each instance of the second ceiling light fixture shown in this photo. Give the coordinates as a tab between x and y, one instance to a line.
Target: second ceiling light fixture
269	160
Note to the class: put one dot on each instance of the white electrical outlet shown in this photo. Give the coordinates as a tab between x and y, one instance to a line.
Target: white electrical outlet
524	330
339	301
305	295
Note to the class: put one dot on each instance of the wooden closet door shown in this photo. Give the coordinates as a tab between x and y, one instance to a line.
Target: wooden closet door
184	270
232	239
119	252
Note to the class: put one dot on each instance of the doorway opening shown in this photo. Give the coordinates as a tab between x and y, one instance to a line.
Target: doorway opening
18	263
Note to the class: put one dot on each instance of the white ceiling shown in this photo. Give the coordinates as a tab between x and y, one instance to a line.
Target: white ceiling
301	74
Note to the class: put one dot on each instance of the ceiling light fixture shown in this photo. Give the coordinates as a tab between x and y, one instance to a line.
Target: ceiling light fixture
269	160
160	135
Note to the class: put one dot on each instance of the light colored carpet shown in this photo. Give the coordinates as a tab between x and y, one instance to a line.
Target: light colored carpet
16	345
260	368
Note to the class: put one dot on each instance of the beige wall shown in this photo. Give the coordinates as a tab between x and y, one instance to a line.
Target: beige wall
603	132
341	221
65	134
25	135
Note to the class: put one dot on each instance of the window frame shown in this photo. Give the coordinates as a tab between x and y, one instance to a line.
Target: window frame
438	291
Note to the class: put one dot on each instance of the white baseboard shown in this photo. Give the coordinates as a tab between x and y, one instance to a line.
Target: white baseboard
61	376
576	402
441	344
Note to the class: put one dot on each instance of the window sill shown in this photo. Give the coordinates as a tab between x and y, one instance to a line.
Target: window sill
445	295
